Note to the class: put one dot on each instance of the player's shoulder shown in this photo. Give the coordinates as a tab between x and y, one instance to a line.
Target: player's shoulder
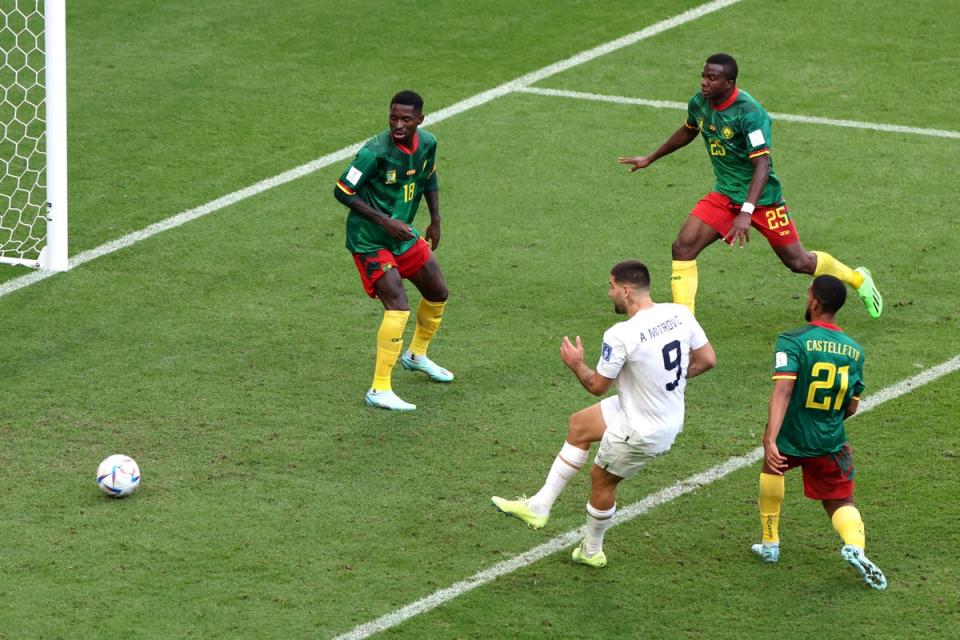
656	320
845	337
697	102
378	145
676	311
748	104
797	332
673	307
619	331
427	139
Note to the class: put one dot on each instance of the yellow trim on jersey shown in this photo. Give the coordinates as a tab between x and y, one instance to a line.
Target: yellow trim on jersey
347	190
759	152
688	126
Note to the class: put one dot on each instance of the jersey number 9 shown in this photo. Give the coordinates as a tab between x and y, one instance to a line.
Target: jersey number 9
671	360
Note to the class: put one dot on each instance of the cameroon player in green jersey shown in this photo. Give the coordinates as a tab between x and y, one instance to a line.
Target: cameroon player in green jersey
818	379
382	188
736	130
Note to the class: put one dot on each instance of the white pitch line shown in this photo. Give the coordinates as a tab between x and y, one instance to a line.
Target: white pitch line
786	117
464	105
626	514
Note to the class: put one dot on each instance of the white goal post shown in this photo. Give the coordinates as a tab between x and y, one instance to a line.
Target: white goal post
33	134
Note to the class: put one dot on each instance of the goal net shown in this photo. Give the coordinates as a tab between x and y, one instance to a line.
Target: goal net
33	202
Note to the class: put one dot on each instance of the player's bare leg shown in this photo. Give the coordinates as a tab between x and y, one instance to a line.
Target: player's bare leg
817	263
434	293
584	428
694	236
796	258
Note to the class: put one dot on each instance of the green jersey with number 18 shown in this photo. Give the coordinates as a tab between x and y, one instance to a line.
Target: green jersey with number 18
735	132
391	178
827	366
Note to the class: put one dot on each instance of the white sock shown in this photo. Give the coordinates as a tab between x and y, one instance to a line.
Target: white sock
597	524
565	466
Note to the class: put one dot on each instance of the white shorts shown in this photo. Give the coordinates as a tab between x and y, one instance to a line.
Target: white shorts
617	454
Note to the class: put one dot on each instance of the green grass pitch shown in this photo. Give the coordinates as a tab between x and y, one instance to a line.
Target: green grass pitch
229	356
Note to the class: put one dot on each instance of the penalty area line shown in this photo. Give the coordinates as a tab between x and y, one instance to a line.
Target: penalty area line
347	152
784	117
626	514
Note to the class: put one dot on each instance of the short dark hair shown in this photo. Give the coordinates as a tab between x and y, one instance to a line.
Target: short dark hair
409	98
830	292
730	69
631	272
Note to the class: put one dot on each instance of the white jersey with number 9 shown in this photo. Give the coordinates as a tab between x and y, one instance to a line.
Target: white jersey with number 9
648	355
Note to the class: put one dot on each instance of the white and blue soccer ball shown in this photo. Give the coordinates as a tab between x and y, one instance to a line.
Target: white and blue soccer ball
118	476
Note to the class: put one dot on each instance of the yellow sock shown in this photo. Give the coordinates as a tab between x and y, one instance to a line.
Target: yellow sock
827	264
389	344
683	283
847	522
429	315
771	497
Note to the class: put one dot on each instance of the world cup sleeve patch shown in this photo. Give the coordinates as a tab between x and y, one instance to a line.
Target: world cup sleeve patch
606	352
353	175
756	138
781	360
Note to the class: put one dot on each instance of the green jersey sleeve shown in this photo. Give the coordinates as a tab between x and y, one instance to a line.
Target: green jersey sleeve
432	183
786	358
363	167
858	385
757	133
693	118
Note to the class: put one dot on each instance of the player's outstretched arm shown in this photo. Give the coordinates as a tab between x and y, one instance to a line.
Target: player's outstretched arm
680	138
702	359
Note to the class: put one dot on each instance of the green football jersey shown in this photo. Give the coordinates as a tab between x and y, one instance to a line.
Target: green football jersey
391	179
734	134
827	366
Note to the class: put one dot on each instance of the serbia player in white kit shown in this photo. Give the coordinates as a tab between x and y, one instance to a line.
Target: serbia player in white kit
650	356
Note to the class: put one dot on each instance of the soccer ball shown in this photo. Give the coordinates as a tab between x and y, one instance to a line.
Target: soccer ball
118	476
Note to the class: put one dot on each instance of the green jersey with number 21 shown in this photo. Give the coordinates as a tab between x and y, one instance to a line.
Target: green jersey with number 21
827	366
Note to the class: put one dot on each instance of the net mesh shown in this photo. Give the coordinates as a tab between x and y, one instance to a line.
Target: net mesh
22	127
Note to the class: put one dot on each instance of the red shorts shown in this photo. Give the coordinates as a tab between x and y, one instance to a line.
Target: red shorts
774	222
372	266
827	477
